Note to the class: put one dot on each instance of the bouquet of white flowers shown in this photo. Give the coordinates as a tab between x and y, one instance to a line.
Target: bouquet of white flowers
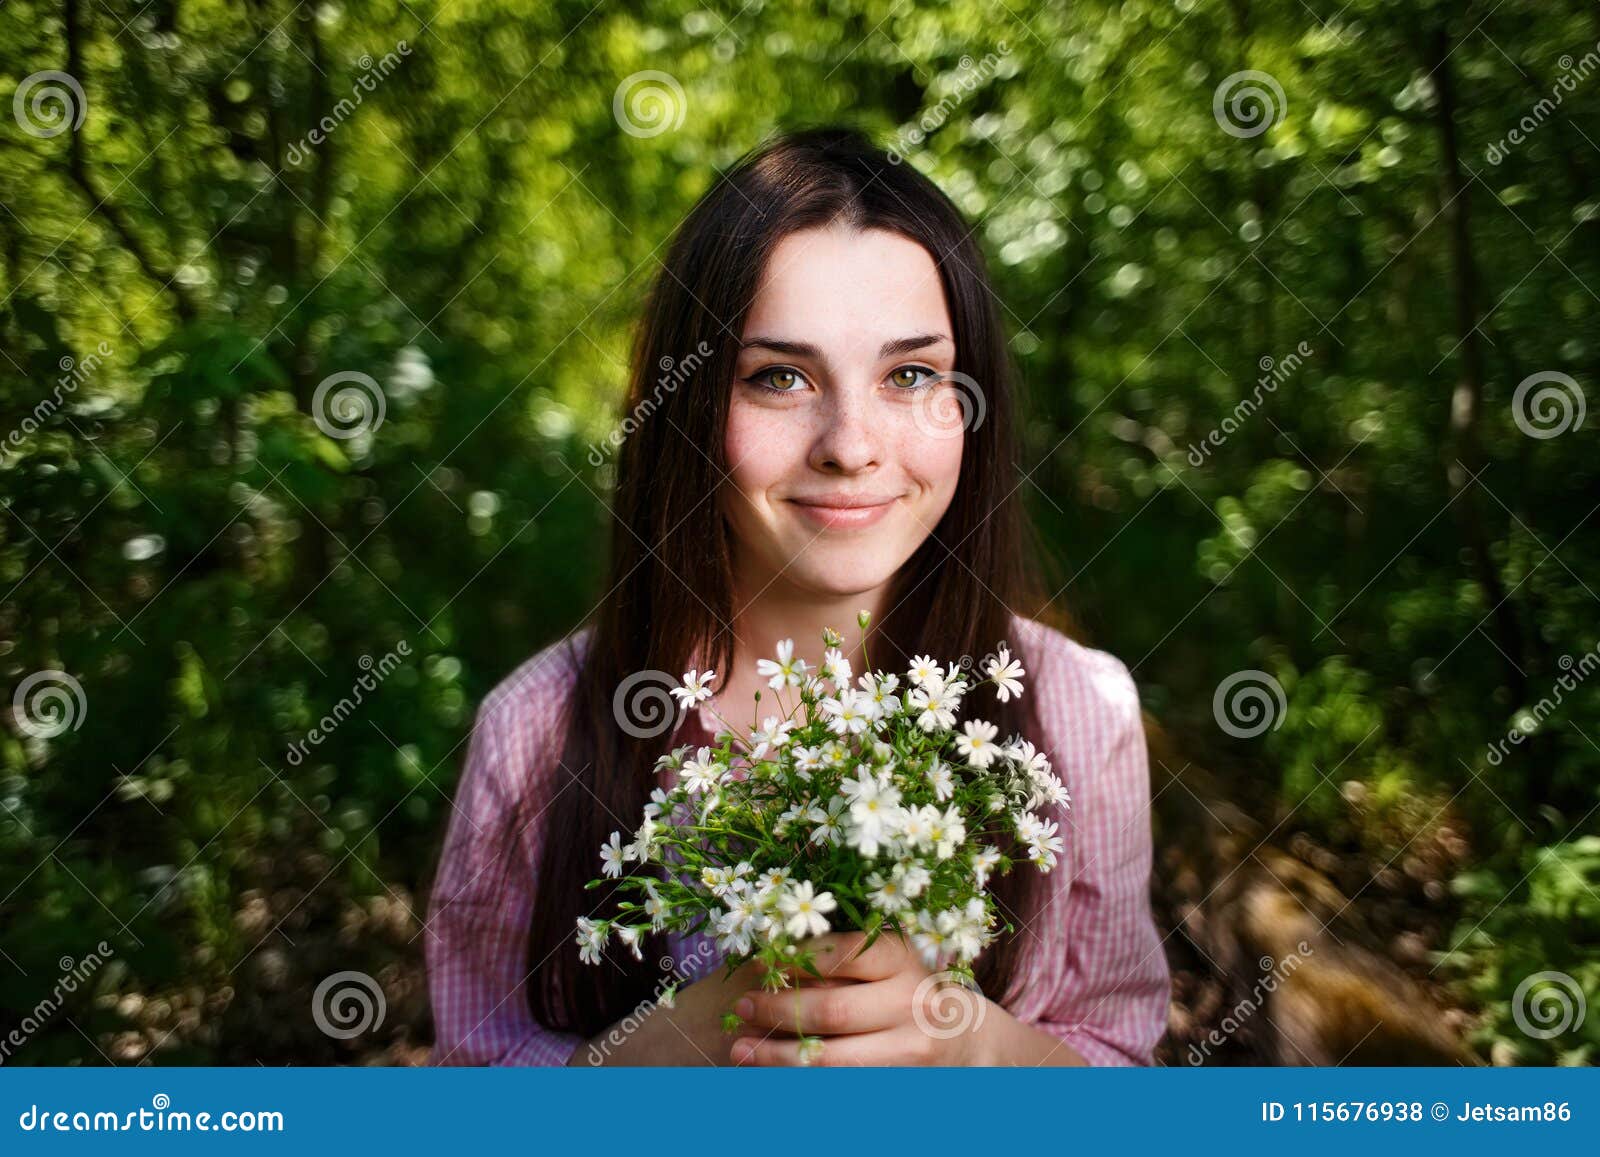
860	804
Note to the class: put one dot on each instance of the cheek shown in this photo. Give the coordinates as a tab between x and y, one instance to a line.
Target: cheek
935	462
759	448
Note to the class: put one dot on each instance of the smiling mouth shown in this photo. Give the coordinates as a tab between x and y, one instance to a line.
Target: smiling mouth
843	517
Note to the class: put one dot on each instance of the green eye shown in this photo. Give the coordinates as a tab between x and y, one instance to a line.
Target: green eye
778	380
911	377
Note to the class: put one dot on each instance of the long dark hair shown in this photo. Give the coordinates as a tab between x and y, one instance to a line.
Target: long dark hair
671	591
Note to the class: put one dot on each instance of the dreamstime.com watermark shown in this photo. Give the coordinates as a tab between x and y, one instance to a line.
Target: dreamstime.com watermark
73	974
1274	372
649	103
47	104
376	673
1573	74
372	71
160	1117
1276	973
677	974
1249	703
49	703
674	372
1247	104
1548	1004
969	77
74	372
1530	720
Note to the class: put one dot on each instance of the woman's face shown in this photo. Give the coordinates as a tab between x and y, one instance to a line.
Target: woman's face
844	453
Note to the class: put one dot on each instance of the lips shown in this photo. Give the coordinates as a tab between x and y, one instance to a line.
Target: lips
844	512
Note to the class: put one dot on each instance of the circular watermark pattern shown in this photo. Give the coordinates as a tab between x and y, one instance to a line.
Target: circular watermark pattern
160	1101
1248	103
948	413
49	703
1548	1004
347	1004
1548	404
356	406
643	705
649	103
47	104
947	1004
1248	703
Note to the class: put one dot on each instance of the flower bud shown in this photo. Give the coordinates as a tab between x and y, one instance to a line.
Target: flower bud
863	619
830	637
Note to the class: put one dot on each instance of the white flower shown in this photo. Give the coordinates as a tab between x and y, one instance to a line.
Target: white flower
879	692
770	883
932	938
835	667
983	863
702	773
1028	758
592	935
887	894
654	906
1007	674
914	878
772	734
723	881
923	670
830	823
630	935
849	714
946	831
806	760
978	745
1027	825
804	910
743	920
834	753
643	841
874	810
1044	845
612	856
795	811
659	800
787	670
1049	789
915	826
694	688
971	930
940	779
936	703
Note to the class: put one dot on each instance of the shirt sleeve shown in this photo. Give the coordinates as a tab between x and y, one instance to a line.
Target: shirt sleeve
1109	996
477	931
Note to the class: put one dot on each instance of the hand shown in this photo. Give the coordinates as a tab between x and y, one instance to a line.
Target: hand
888	1010
690	1032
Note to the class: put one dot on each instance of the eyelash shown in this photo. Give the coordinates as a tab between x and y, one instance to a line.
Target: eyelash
930	376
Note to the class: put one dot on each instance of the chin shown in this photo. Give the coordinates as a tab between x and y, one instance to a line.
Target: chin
838	572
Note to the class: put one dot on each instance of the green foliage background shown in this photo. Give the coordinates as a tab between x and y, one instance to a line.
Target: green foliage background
475	233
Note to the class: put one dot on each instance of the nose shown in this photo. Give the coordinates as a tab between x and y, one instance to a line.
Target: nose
849	441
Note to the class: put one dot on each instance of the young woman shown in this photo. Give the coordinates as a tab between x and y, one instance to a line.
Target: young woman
844	442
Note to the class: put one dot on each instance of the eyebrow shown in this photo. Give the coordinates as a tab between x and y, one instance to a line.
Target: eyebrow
804	349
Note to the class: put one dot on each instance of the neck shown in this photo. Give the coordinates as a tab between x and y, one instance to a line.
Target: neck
767	612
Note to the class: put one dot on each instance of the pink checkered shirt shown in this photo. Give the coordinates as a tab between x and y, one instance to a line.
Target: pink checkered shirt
1096	974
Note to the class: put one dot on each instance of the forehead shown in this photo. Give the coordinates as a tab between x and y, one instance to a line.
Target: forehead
840	286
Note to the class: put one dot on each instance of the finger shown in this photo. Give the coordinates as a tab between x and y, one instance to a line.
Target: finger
851	1007
873	1048
846	954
